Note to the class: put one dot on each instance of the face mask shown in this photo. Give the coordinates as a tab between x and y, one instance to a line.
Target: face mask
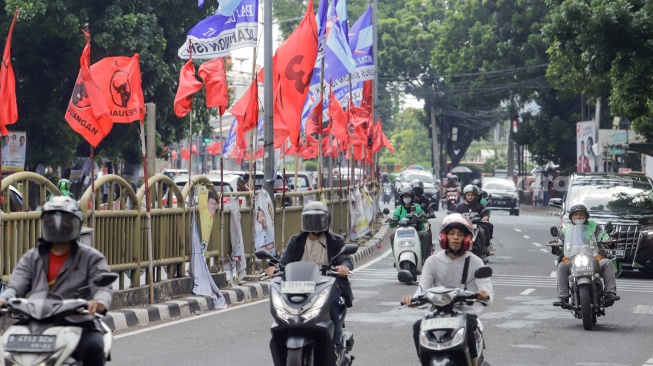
578	221
407	200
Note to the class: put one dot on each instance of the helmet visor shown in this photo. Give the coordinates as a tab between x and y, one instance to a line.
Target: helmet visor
60	227
315	221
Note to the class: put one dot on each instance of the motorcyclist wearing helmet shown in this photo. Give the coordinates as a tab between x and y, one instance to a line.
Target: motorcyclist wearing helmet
64	187
446	269
316	244
473	209
579	215
408	206
384	178
60	264
418	191
452	181
482	195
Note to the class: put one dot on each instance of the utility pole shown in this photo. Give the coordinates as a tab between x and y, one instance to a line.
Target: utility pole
511	143
435	147
268	159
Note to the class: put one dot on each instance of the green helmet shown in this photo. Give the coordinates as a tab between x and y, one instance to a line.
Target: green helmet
64	186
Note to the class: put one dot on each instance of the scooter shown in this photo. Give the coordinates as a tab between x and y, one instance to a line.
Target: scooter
407	247
300	303
443	331
387	193
453	198
43	335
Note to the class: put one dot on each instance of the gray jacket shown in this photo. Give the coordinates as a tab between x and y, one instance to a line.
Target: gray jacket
81	267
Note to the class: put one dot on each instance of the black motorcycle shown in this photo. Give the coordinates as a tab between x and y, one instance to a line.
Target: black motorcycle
300	303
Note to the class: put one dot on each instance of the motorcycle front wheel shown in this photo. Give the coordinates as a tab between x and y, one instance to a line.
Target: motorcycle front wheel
586	308
408	266
298	357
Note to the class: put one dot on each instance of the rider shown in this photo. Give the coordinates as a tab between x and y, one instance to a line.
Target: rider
446	269
316	244
407	198
418	190
384	178
471	208
579	216
64	188
61	265
452	181
482	195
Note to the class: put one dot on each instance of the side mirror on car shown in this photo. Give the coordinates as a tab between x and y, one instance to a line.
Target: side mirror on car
555	202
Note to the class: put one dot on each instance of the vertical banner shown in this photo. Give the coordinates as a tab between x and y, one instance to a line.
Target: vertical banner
203	283
237	265
264	223
359	225
208	205
585	157
14	146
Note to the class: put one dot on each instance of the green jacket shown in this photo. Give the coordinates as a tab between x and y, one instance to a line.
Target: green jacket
592	228
401	212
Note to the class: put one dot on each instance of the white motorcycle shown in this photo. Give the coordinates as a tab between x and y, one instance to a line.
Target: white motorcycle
407	247
42	335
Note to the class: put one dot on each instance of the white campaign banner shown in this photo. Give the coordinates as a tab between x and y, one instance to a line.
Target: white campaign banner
585	156
14	146
359	224
237	265
264	226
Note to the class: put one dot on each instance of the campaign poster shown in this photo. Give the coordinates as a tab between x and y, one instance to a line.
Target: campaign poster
237	265
208	206
264	226
13	147
585	157
359	224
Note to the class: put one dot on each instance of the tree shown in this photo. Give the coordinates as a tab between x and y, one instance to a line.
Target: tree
410	138
47	44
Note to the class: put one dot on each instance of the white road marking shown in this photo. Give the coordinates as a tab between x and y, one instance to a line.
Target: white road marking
527	292
544	250
537	244
518	230
643	309
553	274
649	362
526	237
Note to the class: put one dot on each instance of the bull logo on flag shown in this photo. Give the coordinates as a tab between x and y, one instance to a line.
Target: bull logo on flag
121	90
80	96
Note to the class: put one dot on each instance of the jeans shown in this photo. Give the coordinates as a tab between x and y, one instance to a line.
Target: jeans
607	272
471	338
90	349
335	317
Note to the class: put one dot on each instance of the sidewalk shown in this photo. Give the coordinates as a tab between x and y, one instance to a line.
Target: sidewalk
126	318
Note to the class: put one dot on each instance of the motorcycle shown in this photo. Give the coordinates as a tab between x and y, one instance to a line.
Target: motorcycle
443	331
586	287
300	303
387	193
453	197
43	335
407	247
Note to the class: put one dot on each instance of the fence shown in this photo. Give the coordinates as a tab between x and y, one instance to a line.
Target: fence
120	223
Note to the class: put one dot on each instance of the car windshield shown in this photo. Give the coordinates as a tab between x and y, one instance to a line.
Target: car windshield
503	185
622	194
424	178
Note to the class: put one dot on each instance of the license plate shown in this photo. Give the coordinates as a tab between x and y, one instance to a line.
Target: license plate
298	287
440	323
582	271
30	343
619	253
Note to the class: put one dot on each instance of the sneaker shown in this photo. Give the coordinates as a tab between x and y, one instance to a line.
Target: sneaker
609	299
562	302
338	350
491	248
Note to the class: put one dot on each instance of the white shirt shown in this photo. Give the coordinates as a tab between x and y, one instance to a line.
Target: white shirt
315	251
440	270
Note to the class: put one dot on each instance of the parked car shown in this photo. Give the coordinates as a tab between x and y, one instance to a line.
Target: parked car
431	188
305	183
280	185
232	183
623	200
502	194
15	200
173	173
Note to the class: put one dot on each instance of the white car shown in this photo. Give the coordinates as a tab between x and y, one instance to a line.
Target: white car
305	183
232	183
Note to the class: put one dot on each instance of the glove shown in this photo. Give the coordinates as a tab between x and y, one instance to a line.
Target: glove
404	222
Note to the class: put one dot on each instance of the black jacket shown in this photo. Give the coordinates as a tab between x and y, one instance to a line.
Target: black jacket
472	211
295	250
424	202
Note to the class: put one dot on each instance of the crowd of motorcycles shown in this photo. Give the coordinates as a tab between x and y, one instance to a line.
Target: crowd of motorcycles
300	302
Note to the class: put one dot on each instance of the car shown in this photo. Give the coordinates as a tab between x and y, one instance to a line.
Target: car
15	200
173	173
305	183
621	199
502	194
431	188
280	185
232	183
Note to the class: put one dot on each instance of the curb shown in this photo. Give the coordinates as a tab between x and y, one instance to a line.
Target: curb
127	318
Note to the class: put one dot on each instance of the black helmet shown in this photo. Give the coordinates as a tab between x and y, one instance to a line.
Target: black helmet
61	220
579	208
477	182
316	217
470	188
417	186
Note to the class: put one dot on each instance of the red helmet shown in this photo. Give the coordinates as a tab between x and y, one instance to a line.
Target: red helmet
457	221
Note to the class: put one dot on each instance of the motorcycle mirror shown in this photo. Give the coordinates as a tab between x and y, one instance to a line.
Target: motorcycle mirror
404	276
348	249
608	227
105	279
386	211
554	231
483	272
263	254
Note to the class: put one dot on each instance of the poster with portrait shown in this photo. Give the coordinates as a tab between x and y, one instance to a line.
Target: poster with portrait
237	266
368	204
585	157
208	205
264	226
13	146
359	223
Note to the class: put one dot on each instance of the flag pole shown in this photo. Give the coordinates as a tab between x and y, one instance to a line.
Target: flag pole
252	167
222	247
92	157
150	272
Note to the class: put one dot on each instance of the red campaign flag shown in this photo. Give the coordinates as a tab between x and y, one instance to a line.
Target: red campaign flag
367	101
174	155
8	104
194	150
215	148
376	137
185	155
119	79
87	112
314	121
293	66
360	120
188	85
260	153
338	119
246	113
215	78
386	142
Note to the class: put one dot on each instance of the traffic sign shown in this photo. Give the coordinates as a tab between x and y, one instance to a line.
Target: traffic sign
619	137
618	150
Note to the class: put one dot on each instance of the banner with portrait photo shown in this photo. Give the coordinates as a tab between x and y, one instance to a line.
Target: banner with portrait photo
585	157
237	265
208	206
264	226
13	147
359	224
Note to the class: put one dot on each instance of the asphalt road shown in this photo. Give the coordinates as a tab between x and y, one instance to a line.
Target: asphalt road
521	327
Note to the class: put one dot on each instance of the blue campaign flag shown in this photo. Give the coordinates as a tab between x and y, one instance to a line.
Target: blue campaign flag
260	127
230	141
361	41
200	3
338	61
218	34
228	7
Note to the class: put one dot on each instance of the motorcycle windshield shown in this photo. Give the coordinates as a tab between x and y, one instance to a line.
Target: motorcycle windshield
43	304
302	271
579	239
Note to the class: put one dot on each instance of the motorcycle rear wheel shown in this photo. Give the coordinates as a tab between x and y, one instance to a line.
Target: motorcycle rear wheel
586	308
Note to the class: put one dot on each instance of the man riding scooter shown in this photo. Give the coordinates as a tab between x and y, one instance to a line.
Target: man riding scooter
473	209
408	206
418	191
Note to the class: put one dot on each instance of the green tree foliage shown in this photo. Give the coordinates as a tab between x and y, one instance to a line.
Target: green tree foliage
410	139
47	44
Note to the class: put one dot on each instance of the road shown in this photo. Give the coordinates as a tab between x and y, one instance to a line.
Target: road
521	327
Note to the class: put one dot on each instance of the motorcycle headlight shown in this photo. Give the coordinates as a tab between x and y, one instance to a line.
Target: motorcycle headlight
279	306
440	299
406	243
315	306
457	339
581	260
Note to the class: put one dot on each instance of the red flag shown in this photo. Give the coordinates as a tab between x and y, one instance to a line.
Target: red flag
185	154
358	125
174	155
8	105
214	148
215	78
376	137
386	143
293	67
314	122
246	113
88	113
367	100
338	119
188	85
119	79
